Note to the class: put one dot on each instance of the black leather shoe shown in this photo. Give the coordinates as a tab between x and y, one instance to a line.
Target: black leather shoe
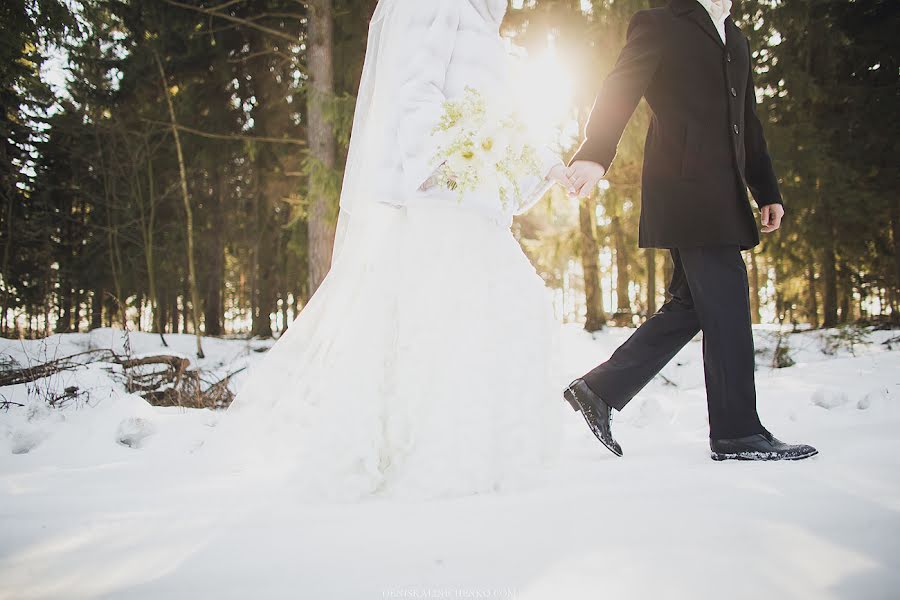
595	411
760	446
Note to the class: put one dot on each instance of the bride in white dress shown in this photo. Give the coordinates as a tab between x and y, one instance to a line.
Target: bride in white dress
422	366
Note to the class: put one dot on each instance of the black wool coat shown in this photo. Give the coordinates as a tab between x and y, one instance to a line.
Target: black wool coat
705	145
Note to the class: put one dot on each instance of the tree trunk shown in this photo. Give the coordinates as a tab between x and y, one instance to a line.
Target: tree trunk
589	262
285	321
650	254
112	237
189	213
163	312
623	301
321	222
148	229
845	293
265	271
829	261
829	281
64	297
895	233
778	285
812	302
255	254
7	246
668	272
176	315
267	194
97	308
112	241
76	309
139	304
185	307
213	310
48	287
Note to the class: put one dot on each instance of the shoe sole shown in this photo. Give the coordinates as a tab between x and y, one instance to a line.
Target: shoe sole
572	399
758	456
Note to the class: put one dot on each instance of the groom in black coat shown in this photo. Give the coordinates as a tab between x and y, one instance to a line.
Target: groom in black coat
704	148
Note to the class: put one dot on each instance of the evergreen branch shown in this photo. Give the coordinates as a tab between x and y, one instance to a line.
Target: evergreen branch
240	21
261	53
225	5
276	15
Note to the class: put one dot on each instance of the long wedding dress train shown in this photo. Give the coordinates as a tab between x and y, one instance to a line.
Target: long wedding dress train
421	367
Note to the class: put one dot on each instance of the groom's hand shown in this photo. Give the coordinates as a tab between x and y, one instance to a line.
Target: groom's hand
585	176
771	215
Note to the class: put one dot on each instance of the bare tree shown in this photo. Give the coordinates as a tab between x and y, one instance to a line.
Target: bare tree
589	262
189	214
650	254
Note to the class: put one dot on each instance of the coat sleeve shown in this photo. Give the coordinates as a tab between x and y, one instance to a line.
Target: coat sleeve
430	34
759	172
622	90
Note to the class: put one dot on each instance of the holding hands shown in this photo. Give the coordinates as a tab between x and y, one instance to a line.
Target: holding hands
560	174
584	176
580	179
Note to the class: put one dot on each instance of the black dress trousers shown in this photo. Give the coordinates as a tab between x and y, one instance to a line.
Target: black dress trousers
709	292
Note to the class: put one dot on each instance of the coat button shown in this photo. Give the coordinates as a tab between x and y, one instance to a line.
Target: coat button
728	56
735	127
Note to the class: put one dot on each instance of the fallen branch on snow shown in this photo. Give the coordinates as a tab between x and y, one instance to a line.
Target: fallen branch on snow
162	380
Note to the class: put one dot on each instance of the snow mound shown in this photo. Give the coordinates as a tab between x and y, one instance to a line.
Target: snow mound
830	398
134	431
25	440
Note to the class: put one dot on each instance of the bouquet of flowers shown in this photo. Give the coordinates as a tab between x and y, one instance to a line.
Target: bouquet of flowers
481	146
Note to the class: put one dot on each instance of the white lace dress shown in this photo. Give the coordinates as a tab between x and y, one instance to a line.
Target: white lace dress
422	367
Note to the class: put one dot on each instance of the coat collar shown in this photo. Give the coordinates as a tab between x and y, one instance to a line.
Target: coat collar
696	13
680	7
731	30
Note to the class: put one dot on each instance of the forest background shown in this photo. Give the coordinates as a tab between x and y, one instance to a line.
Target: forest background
175	165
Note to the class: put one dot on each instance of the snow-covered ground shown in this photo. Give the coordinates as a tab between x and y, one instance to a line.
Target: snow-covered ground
93	502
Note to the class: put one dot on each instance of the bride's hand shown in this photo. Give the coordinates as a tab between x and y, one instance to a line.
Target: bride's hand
429	183
440	177
560	174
